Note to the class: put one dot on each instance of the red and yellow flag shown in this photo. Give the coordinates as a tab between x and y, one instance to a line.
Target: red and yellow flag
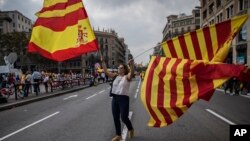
171	86
210	43
191	71
62	31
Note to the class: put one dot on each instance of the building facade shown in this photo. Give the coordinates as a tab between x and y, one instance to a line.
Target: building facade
112	47
14	21
215	11
179	24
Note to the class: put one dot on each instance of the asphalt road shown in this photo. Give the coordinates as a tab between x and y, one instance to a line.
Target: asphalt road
85	115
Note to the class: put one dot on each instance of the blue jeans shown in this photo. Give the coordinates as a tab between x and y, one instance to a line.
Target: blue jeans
120	107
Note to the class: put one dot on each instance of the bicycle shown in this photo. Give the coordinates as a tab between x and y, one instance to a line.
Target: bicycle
10	90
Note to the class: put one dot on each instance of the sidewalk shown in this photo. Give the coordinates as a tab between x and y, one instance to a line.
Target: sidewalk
232	94
12	103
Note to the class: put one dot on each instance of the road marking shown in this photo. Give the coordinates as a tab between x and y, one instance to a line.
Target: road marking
136	94
11	134
246	96
221	117
91	96
125	129
220	90
101	91
70	97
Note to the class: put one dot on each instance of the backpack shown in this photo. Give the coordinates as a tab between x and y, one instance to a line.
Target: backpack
111	86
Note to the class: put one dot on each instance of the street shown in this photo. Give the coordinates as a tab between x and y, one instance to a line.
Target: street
86	115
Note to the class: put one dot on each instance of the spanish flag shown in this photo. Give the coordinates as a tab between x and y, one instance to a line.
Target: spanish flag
62	31
172	85
191	71
211	43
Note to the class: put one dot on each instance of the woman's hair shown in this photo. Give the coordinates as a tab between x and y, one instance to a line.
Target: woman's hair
126	70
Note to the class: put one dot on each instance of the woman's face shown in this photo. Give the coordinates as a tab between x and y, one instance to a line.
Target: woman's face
121	69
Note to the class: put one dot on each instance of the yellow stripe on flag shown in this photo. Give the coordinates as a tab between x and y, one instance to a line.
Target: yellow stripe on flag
60	13
48	3
155	89
178	47
180	85
59	40
166	50
143	92
213	32
202	44
190	45
167	96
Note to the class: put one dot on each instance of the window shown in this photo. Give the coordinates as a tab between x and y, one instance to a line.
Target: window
1	23
218	3
219	18
13	16
182	30
243	4
205	14
211	8
1	30
176	31
189	29
204	3
230	11
14	25
243	34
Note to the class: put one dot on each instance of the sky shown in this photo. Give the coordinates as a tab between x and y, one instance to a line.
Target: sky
139	22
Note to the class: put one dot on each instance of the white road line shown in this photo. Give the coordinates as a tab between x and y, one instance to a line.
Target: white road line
101	91
91	96
70	97
136	94
220	90
125	129
11	134
221	117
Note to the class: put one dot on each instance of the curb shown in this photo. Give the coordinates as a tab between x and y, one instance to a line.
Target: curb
25	102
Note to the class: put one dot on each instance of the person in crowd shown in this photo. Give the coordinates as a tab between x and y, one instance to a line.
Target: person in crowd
36	75
28	79
120	93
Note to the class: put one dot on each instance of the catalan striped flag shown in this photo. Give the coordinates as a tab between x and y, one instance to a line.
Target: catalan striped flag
62	31
210	43
190	71
171	85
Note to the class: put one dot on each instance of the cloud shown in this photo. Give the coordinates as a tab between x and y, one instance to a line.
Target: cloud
140	22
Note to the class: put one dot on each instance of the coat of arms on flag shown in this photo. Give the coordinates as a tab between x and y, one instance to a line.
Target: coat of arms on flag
62	31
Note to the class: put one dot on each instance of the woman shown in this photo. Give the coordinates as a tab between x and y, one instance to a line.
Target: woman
120	93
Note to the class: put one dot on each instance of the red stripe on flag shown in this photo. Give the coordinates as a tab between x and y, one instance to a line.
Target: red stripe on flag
186	83
223	31
184	47
172	49
148	91
196	45
65	54
60	6
208	41
173	89
68	20
160	99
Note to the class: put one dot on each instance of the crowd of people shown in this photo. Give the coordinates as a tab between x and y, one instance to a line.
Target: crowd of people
25	81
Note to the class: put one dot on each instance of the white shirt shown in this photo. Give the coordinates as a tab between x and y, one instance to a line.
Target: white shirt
121	85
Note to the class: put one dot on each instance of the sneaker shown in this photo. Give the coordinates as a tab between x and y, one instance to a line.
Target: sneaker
117	138
131	134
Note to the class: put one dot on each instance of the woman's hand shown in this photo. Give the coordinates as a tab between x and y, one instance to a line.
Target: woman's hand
131	62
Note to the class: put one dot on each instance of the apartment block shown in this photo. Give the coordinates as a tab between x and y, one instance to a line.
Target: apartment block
215	11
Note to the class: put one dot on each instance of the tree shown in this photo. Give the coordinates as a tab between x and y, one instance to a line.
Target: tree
13	42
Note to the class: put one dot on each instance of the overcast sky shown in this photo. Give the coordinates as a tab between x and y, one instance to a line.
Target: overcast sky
140	22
